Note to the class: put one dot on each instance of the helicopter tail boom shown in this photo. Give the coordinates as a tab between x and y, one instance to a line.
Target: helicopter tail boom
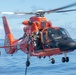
9	39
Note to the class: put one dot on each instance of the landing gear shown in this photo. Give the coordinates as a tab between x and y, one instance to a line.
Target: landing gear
52	60
65	59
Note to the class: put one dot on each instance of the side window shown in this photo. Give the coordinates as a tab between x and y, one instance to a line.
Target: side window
64	33
53	34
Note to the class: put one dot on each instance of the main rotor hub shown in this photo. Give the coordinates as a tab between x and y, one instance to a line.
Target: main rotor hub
40	13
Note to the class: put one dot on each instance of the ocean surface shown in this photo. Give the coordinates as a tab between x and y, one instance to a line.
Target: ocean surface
15	65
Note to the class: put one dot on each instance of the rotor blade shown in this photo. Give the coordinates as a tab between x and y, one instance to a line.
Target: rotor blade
64	7
9	13
23	13
65	11
16	13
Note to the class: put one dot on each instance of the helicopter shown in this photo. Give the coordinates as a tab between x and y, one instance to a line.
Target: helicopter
41	38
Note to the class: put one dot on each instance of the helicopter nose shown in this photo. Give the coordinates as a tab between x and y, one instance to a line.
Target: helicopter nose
67	45
71	45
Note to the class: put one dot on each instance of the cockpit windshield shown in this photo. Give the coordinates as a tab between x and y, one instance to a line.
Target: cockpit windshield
64	33
57	33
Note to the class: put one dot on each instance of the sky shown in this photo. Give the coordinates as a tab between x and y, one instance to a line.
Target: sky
65	20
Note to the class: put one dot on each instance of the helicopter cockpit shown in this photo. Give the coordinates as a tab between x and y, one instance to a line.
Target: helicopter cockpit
55	34
58	34
57	38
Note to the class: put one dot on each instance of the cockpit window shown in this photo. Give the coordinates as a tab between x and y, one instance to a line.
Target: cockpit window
53	34
57	34
64	33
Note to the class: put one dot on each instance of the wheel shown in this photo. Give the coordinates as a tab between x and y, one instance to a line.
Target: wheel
67	59
52	60
44	57
27	63
39	57
63	59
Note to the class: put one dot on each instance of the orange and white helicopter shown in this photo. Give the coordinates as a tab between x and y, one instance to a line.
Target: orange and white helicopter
40	38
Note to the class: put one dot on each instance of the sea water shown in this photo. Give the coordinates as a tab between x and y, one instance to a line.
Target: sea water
15	65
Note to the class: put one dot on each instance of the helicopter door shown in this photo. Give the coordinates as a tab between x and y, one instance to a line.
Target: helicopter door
45	39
